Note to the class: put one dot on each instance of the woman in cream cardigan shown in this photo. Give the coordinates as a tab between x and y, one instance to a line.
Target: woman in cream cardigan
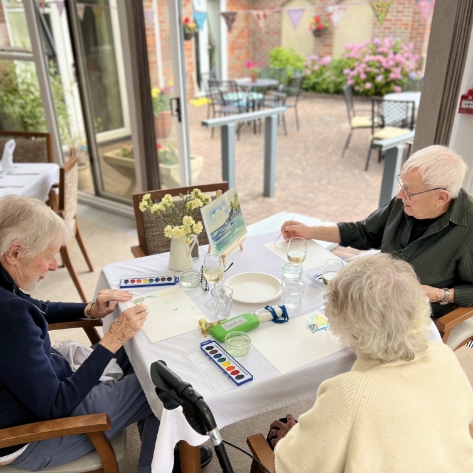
406	404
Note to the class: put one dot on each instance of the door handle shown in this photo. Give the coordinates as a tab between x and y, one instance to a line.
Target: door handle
176	108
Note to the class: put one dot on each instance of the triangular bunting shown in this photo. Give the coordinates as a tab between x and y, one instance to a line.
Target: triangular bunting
60	6
80	7
199	18
149	18
295	14
98	10
381	8
426	8
335	13
260	17
229	17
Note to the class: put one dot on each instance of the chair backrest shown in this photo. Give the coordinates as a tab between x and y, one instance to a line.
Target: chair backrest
68	183
232	95
395	113
412	85
30	147
294	87
150	227
212	89
348	94
278	73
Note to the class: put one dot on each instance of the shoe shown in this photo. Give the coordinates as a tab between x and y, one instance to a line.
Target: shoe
206	456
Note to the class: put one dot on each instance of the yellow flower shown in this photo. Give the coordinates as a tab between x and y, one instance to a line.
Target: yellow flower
156	208
189	240
197	227
155	92
146	197
206	199
196	193
187	229
196	203
143	206
168	231
178	231
187	220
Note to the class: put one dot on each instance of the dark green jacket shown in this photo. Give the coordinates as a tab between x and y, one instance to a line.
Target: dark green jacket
442	257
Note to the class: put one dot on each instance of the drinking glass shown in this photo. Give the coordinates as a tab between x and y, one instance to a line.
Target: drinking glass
291	271
292	293
213	272
222	298
296	250
331	268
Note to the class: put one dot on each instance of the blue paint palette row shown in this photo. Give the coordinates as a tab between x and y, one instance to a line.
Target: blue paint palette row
225	362
148	281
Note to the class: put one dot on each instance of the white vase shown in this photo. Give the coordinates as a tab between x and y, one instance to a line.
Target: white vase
180	258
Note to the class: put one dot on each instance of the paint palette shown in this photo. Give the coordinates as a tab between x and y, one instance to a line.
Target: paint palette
226	363
163	279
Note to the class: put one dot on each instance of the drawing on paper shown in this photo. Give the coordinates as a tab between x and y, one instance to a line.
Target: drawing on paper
224	222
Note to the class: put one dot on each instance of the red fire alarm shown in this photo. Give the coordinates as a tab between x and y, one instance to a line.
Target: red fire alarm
466	103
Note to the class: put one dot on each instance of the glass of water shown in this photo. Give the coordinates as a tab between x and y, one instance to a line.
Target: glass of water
291	271
292	293
222	297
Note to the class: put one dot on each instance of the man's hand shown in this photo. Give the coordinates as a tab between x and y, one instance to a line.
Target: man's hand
279	429
433	293
291	229
107	301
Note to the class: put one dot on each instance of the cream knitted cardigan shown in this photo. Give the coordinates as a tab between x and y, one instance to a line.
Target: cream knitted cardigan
397	417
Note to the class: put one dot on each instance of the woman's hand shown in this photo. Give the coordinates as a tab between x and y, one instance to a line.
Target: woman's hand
125	327
107	301
291	229
280	429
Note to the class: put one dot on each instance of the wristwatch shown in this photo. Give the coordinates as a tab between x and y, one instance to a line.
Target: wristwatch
446	296
88	310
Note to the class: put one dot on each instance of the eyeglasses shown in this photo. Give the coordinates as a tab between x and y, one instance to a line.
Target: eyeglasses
415	193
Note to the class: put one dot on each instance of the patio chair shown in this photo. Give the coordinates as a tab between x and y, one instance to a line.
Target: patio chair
212	94
395	117
64	204
356	122
150	227
30	147
288	97
277	73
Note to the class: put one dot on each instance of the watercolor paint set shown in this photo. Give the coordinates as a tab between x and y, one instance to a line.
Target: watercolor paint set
164	279
225	362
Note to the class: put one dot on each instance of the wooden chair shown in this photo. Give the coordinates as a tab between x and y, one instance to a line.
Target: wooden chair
150	227
65	204
30	147
461	320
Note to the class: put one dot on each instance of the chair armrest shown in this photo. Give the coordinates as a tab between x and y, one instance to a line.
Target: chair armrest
262	451
137	252
471	430
87	324
447	322
49	429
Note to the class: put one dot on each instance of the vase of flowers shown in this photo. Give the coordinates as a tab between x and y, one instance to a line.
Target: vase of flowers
181	225
318	25
255	69
162	111
190	28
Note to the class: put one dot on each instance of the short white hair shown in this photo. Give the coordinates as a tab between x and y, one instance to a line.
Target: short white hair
438	167
377	306
30	222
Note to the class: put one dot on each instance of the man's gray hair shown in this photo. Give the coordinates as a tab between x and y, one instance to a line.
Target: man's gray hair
438	167
376	304
30	222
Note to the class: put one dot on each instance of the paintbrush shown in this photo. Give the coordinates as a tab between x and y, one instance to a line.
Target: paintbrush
274	244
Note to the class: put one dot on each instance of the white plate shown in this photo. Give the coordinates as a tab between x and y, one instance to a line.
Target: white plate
254	288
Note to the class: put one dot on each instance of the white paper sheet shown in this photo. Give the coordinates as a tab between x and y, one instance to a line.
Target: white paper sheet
315	258
292	345
170	313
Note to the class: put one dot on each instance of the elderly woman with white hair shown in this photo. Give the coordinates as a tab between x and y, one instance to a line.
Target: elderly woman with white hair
36	382
406	404
429	224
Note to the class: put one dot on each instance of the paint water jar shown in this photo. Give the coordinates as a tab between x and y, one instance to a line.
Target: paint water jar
237	343
292	271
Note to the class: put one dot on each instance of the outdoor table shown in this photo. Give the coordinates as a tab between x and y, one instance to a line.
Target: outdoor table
247	83
29	179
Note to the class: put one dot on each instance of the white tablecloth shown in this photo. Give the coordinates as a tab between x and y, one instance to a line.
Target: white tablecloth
30	179
269	389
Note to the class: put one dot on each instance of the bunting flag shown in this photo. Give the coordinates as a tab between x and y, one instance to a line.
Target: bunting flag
80	7
98	10
381	8
199	18
42	4
260	17
229	17
295	14
426	8
60	6
336	12
149	18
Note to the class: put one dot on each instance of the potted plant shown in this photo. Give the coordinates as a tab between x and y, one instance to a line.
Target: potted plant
255	69
162	111
190	28
318	25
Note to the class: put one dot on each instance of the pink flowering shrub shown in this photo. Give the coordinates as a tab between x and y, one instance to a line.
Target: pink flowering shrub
324	75
379	67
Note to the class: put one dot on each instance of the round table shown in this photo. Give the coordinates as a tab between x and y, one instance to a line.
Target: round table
246	83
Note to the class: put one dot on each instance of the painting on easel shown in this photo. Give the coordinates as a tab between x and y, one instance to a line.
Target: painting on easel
224	223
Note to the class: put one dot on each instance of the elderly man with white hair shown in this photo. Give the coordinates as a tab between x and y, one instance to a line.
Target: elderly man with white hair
429	224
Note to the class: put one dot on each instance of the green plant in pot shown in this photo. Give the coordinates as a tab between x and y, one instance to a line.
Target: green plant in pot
162	111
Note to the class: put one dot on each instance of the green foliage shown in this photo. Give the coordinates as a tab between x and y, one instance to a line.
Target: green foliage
287	58
324	75
161	99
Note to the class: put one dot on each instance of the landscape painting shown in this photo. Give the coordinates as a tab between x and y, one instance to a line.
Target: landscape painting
224	222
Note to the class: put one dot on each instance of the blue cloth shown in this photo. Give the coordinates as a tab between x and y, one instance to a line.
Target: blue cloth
36	382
